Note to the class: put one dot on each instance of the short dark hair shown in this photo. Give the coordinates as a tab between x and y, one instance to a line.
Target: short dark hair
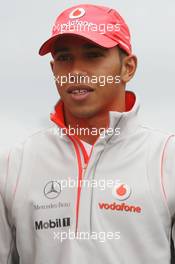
122	53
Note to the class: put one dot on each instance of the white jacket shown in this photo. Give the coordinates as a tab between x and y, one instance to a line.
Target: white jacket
127	220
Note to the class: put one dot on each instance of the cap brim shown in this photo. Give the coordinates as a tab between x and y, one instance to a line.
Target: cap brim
97	38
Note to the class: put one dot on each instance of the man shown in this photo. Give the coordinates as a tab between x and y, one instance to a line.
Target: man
96	187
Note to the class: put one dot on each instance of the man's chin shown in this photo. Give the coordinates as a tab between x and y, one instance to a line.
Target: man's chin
83	111
83	115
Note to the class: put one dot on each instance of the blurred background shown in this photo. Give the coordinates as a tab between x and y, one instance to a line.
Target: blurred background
27	90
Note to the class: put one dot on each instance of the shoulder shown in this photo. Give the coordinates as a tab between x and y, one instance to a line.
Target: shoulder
168	173
156	136
11	157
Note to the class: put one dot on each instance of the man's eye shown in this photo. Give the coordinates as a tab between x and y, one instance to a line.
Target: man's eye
63	57
94	54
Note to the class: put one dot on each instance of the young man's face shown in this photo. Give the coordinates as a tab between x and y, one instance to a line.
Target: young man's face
79	57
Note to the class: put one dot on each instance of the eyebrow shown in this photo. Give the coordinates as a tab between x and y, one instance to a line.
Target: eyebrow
90	46
85	46
61	49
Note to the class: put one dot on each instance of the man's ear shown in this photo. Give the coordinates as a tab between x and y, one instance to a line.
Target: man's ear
129	66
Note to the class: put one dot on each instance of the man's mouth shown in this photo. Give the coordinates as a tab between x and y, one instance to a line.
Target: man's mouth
79	93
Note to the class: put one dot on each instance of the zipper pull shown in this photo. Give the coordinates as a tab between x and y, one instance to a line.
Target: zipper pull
85	166
84	169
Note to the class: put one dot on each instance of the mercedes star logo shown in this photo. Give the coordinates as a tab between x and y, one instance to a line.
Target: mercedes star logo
52	189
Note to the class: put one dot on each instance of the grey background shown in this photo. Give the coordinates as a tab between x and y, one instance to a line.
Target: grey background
27	91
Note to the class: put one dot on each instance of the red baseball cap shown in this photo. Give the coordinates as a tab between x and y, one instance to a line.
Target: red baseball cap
101	25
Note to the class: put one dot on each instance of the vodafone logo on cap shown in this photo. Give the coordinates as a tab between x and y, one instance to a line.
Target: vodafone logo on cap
121	191
77	13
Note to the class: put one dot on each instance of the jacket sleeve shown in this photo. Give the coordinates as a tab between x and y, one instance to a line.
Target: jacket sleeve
173	244
8	253
168	176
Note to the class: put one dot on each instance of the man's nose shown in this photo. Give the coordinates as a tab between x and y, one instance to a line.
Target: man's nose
78	70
